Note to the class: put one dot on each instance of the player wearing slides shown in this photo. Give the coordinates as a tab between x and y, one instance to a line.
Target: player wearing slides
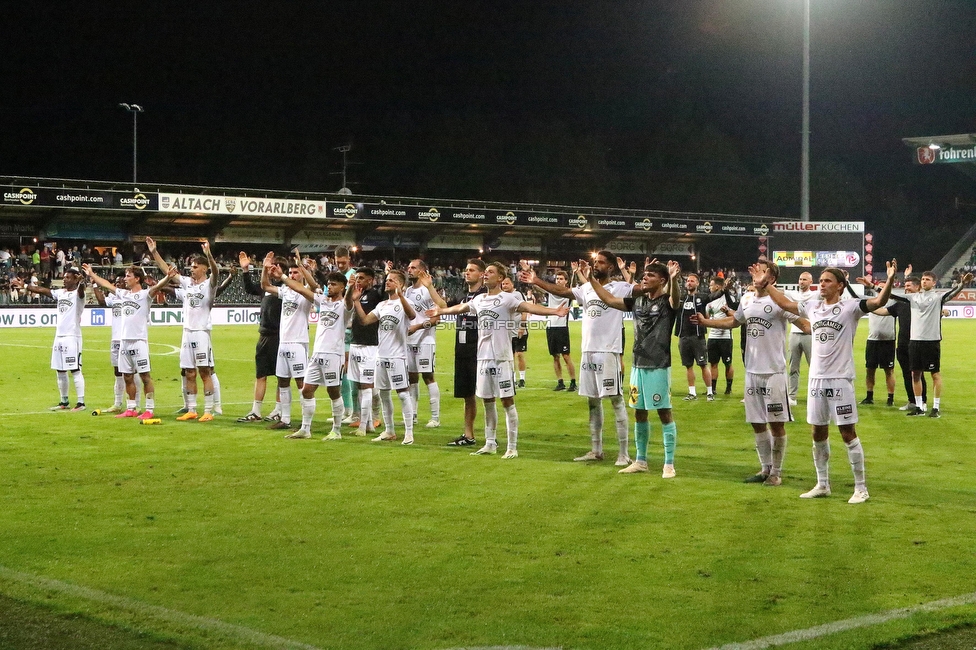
66	352
767	400
393	317
293	337
328	353
196	351
134	344
422	341
600	374
831	397
499	314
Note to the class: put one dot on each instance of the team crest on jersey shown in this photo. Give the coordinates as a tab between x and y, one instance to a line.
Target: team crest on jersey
196	301
657	397
768	309
328	318
823	337
289	309
835	311
65	305
389	323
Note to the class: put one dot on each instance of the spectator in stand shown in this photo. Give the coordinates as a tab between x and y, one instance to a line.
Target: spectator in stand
45	259
36	260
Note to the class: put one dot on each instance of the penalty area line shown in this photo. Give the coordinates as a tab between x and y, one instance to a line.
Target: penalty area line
867	620
212	625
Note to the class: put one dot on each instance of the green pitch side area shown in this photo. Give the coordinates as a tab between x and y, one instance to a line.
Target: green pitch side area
226	535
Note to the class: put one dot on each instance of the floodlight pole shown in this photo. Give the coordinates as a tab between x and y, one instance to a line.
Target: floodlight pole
135	109
805	153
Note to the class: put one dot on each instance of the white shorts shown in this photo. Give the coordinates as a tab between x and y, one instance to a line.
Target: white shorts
324	370
66	353
134	357
831	400
495	379
767	398
420	358
113	353
599	374
391	374
292	360
362	364
195	351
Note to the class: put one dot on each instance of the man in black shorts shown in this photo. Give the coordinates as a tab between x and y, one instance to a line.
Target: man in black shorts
902	311
266	350
880	349
466	351
721	298
691	338
557	336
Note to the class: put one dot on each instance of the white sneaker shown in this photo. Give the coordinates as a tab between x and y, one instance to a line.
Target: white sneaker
301	434
348	419
623	460
433	424
792	402
335	435
817	492
906	407
635	467
511	453
484	451
590	455
407	440
860	496
386	435
218	410
668	471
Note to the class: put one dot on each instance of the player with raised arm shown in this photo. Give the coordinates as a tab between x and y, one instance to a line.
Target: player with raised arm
66	351
831	396
392	317
902	311
654	304
112	301
766	400
719	344
328	353
466	350
499	314
691	338
557	336
600	371
197	294
422	341
292	357
134	344
879	352
925	348
266	349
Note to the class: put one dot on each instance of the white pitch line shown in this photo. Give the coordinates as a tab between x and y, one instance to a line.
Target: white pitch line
90	409
202	623
868	620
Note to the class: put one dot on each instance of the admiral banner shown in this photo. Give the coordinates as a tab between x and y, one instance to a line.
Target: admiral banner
43	197
241	205
805	259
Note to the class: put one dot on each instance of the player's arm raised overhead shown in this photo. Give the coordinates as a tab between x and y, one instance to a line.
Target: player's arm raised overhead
160	262
298	287
163	284
952	293
428	282
882	298
212	263
604	295
306	273
528	276
624	270
266	274
408	309
249	286
18	283
222	287
98	280
674	286
760	278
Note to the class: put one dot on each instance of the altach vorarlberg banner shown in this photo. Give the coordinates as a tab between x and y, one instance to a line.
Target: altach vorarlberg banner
75	198
240	205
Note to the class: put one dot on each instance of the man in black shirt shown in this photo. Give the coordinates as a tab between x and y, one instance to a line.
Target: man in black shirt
266	351
363	348
466	351
691	337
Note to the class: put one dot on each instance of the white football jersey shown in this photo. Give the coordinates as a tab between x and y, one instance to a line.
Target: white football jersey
135	314
419	298
392	334
555	302
334	318
294	316
197	300
498	318
113	301
713	310
70	308
765	326
801	297
833	328
602	324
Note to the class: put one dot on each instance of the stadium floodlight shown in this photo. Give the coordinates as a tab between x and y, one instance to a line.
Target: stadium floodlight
805	129
135	109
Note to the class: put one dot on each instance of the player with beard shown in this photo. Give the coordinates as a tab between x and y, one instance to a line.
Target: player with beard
691	338
362	350
600	371
422	342
292	359
831	396
800	342
499	314
466	350
66	352
134	345
392	318
767	404
654	304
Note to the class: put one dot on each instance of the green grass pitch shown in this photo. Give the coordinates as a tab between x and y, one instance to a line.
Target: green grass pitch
225	535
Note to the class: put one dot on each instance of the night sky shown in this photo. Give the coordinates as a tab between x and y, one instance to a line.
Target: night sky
684	105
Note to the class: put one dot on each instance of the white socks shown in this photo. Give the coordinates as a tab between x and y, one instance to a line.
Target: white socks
764	447
386	400
308	412
119	391
406	407
511	427
856	455
63	386
435	400
596	423
365	406
285	395
821	457
620	417
337	412
779	453
491	423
